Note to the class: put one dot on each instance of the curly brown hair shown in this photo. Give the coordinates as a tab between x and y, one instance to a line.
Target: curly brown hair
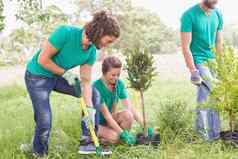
110	62
103	23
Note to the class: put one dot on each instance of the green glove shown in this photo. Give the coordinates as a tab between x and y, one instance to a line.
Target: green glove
91	116
150	132
127	138
70	77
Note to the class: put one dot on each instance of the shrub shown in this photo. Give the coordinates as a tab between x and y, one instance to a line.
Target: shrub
174	119
224	96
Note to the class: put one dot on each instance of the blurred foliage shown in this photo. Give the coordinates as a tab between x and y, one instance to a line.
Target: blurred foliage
37	24
225	89
231	35
138	26
1	16
31	11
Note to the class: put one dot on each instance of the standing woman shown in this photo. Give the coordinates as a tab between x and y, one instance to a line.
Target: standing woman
48	70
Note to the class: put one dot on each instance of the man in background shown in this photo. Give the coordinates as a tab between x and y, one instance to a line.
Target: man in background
201	31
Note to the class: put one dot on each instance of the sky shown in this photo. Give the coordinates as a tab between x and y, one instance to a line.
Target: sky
169	11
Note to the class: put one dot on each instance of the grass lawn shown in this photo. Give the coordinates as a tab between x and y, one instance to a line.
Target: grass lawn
169	108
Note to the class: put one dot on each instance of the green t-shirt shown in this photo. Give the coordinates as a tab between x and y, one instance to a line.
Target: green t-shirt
68	42
204	29
108	98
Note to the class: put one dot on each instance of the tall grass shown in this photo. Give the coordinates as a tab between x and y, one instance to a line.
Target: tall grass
169	108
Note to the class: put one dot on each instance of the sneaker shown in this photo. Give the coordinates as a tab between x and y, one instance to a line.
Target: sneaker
85	140
91	149
25	148
38	156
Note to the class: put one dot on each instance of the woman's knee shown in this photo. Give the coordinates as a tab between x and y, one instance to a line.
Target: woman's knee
127	119
128	116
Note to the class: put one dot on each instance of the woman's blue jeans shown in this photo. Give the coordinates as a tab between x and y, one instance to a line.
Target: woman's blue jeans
39	89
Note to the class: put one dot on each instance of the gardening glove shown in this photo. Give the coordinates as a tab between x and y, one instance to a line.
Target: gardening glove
196	78
91	116
127	138
70	77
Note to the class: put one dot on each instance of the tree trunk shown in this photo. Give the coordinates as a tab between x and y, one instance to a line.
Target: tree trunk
143	111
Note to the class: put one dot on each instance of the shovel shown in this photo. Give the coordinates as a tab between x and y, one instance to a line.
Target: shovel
90	127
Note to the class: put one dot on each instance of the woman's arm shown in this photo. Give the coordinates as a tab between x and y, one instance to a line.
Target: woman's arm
111	122
114	108
85	83
45	59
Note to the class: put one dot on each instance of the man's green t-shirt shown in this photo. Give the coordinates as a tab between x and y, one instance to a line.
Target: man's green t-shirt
204	30
108	98
68	42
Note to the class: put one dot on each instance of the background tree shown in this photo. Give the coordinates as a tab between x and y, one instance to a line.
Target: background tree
37	23
138	26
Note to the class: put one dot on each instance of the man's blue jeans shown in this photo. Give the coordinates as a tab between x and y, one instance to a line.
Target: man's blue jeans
204	90
39	89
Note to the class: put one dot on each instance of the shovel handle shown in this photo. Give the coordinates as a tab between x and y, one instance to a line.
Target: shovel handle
85	112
